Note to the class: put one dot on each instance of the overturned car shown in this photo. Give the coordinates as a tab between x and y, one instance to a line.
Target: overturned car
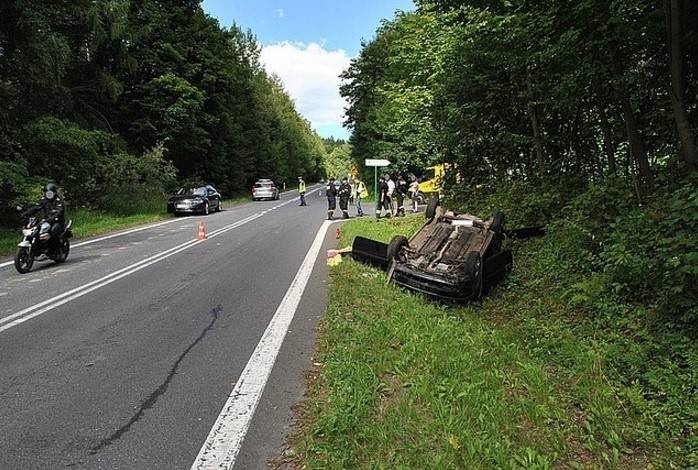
452	257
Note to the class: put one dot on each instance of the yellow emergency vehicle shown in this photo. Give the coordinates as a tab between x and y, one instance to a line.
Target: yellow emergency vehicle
432	183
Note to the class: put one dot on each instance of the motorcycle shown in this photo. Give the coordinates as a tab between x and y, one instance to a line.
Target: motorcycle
35	245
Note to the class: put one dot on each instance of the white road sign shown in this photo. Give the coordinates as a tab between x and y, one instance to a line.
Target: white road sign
377	162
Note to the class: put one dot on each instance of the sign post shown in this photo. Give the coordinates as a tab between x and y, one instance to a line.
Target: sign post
375	163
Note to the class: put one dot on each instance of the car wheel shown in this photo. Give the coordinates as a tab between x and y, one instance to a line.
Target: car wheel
220	206
421	198
206	208
395	246
473	269
430	213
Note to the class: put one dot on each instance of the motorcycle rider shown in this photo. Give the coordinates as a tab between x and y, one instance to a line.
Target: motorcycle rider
53	210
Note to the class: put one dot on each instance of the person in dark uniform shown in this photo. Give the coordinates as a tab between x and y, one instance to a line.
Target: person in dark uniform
383	199
344	195
331	190
53	211
400	194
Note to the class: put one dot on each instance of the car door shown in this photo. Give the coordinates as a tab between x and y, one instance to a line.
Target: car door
213	197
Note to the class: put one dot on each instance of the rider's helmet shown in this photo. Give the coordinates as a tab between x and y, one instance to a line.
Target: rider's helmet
50	191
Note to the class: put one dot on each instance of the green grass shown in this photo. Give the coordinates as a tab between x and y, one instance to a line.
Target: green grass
520	379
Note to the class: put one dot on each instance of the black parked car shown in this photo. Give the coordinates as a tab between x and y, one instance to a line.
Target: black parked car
201	200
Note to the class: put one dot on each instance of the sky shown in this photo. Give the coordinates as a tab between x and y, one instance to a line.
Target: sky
308	44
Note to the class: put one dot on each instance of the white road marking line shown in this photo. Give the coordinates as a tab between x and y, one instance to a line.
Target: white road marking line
49	304
225	439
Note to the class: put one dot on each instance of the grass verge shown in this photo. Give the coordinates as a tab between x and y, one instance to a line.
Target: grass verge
521	379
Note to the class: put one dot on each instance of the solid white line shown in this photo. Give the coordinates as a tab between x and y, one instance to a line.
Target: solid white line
225	439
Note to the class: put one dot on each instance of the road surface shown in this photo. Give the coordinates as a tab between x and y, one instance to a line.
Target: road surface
150	348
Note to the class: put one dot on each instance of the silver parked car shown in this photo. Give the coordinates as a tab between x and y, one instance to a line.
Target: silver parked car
264	189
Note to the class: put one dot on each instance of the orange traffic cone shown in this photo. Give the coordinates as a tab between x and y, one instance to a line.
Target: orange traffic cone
202	231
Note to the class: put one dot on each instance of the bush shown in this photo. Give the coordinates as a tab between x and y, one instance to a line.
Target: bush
14	186
61	151
524	204
128	184
651	253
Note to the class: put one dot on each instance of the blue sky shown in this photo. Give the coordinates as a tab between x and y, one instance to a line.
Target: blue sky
307	44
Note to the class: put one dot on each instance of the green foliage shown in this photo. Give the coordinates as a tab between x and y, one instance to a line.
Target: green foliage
129	185
525	204
524	91
14	182
86	80
651	254
63	152
338	162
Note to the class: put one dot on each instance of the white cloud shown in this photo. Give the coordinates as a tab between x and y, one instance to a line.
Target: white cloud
310	75
279	13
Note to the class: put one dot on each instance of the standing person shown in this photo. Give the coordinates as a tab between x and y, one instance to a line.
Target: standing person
414	189
344	195
390	194
352	196
381	196
331	191
301	190
53	211
361	192
401	193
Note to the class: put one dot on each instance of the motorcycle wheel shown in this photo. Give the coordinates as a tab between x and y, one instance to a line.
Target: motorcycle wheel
62	252
23	260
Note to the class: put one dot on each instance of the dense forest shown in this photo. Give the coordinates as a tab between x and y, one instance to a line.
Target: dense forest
579	115
521	90
111	98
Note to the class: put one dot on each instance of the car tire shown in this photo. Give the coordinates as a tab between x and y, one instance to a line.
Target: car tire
473	269
421	197
430	213
219	207
395	245
206	208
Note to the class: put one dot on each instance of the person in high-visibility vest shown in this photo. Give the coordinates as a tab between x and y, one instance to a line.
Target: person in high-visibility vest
301	190
361	192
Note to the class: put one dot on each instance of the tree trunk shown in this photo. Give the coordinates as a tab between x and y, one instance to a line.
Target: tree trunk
637	147
687	148
535	125
606	132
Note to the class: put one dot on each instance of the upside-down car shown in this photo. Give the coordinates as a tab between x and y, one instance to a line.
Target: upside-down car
452	257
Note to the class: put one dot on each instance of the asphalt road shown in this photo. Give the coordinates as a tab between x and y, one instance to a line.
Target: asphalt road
149	349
